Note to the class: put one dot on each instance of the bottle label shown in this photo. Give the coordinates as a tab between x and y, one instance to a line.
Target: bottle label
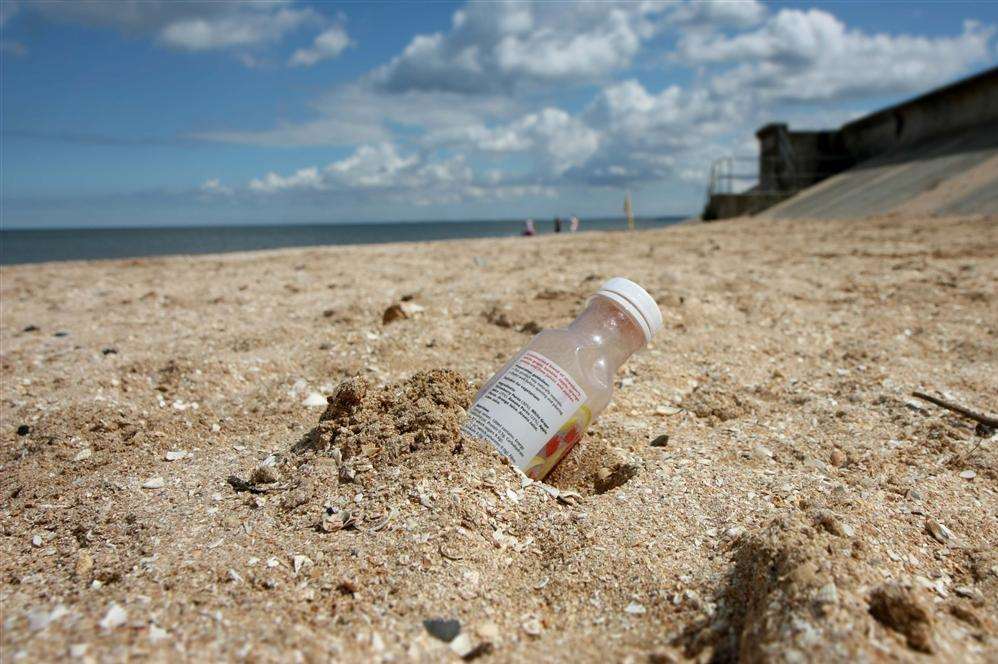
532	414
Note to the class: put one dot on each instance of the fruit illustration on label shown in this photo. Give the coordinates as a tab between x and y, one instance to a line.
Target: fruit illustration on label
560	443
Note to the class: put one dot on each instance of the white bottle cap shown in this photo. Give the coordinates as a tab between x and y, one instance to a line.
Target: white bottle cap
636	302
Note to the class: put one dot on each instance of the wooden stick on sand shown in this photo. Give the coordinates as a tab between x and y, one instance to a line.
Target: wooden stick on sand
990	422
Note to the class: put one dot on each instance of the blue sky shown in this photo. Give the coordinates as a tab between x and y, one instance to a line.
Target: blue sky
149	113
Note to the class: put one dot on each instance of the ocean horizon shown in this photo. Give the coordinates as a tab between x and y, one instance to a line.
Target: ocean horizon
19	246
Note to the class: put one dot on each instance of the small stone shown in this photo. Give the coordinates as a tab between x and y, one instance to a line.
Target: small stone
154	483
30	328
827	594
299	562
109	351
83	454
939	532
635	609
461	645
235	576
532	626
264	474
36	541
660	441
115	617
445	629
968	474
157	634
314	400
23	430
837	458
175	455
964	591
78	650
762	453
393	313
667	410
84	564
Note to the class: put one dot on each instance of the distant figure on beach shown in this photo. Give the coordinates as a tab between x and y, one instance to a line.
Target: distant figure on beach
528	228
573	224
557	224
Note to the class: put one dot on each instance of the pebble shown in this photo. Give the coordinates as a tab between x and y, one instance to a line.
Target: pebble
84	564
667	410
36	541
264	474
115	617
461	645
837	458
393	313
154	483
314	400
23	430
964	591
827	594
939	532
532	626
445	629
968	474
660	441
157	633
83	454
762	453
78	650
300	561
175	455
635	609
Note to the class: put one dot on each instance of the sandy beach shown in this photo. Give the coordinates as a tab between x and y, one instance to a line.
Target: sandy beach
167	492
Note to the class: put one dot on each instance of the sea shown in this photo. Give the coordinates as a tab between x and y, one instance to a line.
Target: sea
36	246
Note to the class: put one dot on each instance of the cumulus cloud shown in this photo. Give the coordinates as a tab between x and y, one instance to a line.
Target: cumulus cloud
383	171
559	140
811	55
189	26
327	45
515	44
502	46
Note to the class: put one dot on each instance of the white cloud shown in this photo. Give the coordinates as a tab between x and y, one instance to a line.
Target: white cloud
811	55
249	28
214	187
190	26
501	46
329	44
381	172
355	114
558	140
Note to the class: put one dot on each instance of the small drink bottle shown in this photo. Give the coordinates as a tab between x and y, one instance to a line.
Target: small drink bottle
541	403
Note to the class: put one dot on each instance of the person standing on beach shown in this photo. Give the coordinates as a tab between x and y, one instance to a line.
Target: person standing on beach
573	224
557	224
528	228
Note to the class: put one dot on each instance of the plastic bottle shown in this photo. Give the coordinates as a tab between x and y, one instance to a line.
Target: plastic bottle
542	401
